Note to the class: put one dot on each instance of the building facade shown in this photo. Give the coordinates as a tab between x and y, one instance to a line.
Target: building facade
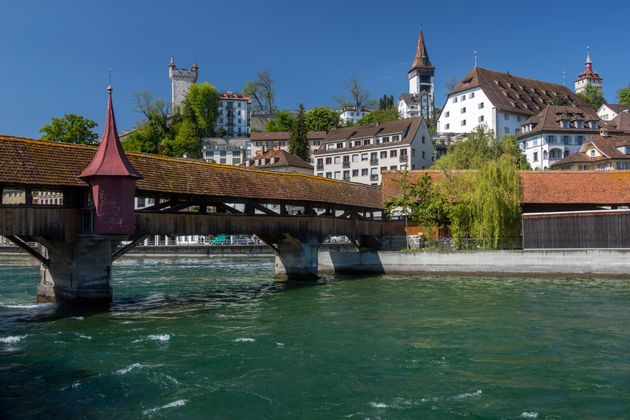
499	101
265	141
600	153
234	114
181	81
609	112
227	151
555	133
351	114
588	77
363	153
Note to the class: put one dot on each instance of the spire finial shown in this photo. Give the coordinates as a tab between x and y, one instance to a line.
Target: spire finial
172	62
109	85
475	54
588	55
564	78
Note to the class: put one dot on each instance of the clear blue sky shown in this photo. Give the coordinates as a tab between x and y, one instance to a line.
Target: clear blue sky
55	54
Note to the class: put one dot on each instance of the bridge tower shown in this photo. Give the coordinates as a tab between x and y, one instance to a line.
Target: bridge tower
80	270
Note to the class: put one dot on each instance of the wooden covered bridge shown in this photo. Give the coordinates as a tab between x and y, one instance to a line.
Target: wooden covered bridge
79	203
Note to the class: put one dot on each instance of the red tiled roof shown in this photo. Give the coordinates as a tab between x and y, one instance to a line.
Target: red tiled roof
284	135
278	158
421	60
549	187
48	164
607	146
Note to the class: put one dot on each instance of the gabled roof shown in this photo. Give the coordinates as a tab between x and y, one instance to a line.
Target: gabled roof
409	99
617	108
110	159
516	94
284	135
607	146
278	158
421	59
550	117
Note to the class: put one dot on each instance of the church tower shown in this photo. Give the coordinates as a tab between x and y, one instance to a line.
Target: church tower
589	77
181	80
421	78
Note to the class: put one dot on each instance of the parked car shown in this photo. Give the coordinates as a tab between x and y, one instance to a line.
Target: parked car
220	240
242	240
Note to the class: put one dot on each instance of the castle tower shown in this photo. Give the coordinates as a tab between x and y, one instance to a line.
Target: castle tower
181	80
421	77
588	77
113	182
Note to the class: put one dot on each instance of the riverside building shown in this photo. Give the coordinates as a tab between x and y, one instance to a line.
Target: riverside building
500	101
363	153
262	142
601	153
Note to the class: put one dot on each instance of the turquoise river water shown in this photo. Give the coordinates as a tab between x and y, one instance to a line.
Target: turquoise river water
217	338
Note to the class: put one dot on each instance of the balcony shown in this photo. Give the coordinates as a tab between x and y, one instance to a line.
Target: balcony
403	158
345	164
373	162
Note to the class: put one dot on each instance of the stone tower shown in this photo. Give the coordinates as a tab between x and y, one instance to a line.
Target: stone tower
588	77
181	80
421	77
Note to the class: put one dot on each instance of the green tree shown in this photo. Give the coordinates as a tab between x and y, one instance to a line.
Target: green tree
560	100
593	96
145	139
386	102
379	116
202	108
298	142
70	128
623	96
262	90
282	121
156	111
187	142
321	119
252	90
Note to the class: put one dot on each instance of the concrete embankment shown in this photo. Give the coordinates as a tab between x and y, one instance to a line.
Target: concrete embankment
608	262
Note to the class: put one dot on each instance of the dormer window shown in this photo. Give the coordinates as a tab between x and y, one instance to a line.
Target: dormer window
579	124
564	123
592	154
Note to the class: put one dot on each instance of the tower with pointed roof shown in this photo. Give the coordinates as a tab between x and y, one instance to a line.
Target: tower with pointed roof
181	81
421	78
113	181
588	77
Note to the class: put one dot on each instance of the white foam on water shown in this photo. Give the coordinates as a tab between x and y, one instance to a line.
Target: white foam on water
280	344
477	393
30	306
177	403
129	368
159	337
529	414
12	339
244	340
78	318
76	384
378	405
85	337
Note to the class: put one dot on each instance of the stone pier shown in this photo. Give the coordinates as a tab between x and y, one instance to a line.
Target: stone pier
297	258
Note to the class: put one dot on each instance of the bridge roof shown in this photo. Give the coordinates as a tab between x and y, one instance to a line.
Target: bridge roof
42	163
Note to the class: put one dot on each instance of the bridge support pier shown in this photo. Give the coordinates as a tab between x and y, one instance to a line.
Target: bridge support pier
78	272
296	258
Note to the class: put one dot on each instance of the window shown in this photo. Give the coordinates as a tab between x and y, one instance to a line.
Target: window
506	116
602	166
383	154
582	167
395	138
236	153
355	172
366	142
447	114
579	124
364	172
364	156
385	139
480	119
356	158
328	174
463	122
413	152
236	161
463	110
339	145
423	156
592	153
551	139
320	174
535	156
422	139
579	140
346	175
393	153
393	168
462	98
328	161
337	159
566	140
447	126
383	169
471	95
480	105
223	160
455	100
223	153
337	174
623	165
506	130
564	123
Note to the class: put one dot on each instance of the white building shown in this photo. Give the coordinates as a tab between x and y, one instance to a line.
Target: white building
262	142
420	101
555	133
352	114
609	112
588	77
227	151
361	154
181	81
500	101
234	114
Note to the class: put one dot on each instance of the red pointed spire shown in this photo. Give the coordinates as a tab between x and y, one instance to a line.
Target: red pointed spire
421	59
110	159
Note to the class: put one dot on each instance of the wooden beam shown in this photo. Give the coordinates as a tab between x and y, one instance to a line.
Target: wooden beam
20	243
131	245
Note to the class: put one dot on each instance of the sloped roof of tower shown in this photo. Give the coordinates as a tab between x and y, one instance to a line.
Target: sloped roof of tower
110	159
516	94
421	60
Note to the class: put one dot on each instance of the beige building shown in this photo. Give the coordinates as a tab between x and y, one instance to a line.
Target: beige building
363	153
265	141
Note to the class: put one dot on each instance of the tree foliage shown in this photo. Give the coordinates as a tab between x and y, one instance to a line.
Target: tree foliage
379	116
282	121
480	198
321	119
262	90
298	142
359	96
386	102
593	96
202	108
623	96
70	128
